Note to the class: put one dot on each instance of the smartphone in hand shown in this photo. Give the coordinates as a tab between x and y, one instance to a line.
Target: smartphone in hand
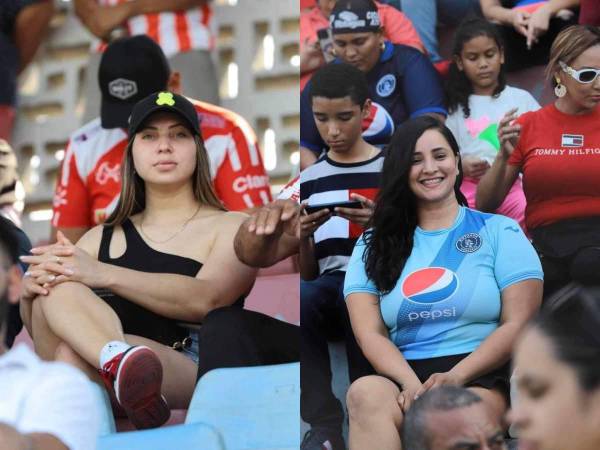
354	204
326	43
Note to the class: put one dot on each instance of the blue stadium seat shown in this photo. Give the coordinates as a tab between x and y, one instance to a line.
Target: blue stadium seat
252	407
107	420
184	437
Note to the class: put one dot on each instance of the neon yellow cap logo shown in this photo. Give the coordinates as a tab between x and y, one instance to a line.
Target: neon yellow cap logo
165	98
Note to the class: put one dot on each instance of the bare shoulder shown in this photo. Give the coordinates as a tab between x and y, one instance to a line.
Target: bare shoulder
231	220
90	241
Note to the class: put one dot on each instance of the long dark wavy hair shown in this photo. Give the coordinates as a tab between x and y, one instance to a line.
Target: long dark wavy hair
389	240
458	87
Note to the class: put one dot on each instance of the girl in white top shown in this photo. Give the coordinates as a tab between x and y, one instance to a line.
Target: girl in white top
478	98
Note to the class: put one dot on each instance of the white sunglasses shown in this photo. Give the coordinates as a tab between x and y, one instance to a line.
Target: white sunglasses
584	76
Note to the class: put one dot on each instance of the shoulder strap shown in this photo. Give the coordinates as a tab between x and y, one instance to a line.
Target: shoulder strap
107	232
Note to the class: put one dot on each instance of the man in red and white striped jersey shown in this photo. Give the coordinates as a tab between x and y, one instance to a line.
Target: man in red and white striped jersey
183	28
90	181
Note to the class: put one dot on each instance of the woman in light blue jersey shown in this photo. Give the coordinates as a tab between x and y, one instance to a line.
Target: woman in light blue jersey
437	292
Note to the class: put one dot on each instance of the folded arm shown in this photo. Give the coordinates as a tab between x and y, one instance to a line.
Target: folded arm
220	282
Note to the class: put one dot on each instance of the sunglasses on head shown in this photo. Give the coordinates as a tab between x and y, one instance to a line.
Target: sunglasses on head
584	76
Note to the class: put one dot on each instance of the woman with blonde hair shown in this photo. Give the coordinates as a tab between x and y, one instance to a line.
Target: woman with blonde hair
115	301
557	150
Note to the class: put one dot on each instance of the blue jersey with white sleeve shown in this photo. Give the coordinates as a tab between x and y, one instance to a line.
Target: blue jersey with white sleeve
447	300
403	83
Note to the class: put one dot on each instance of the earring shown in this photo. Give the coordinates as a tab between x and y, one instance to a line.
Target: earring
560	90
382	45
333	52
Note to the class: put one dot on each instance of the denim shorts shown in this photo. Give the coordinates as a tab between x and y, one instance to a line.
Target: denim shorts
190	348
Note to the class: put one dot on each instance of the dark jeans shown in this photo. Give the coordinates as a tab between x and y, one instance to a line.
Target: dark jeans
582	267
323	316
235	337
569	251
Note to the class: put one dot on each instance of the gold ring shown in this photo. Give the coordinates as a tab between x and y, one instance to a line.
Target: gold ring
57	259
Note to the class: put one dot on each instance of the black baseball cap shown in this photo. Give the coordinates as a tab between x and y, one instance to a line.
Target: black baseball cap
354	16
130	69
163	101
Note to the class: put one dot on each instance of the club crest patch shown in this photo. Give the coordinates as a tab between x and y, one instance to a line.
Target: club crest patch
469	243
386	85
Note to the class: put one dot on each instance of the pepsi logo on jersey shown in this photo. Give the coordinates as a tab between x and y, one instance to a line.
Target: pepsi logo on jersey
430	285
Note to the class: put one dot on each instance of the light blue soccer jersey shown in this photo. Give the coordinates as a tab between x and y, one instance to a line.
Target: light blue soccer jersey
447	300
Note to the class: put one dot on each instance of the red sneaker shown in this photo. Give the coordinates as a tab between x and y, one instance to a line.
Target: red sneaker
136	377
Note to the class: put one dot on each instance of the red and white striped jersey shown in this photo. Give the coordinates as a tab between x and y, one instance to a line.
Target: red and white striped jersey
291	191
90	180
176	31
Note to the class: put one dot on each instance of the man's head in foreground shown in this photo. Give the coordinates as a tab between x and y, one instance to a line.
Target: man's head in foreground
451	418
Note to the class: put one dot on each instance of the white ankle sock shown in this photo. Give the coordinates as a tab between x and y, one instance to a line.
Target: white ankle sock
112	349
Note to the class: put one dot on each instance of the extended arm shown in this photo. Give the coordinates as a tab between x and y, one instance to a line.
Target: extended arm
520	302
30	29
101	20
540	19
269	235
494	11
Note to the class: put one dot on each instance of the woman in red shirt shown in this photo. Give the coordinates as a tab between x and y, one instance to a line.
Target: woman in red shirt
557	149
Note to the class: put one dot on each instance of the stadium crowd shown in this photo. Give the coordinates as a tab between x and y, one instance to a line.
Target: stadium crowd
444	208
445	223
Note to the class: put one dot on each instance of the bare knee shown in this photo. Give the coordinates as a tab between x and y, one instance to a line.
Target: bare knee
63	296
373	396
59	293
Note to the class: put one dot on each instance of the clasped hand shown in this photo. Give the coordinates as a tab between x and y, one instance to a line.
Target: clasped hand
57	263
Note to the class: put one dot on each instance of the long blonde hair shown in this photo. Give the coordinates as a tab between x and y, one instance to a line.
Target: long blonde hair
568	45
133	191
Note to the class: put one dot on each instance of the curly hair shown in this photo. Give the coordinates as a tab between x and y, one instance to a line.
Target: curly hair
458	88
389	241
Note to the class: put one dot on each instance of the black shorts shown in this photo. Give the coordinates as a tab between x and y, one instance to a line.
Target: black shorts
498	379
